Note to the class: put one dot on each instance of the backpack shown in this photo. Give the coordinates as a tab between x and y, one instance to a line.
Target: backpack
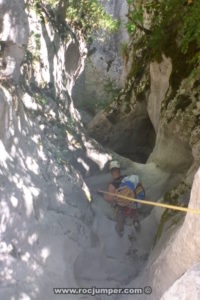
130	186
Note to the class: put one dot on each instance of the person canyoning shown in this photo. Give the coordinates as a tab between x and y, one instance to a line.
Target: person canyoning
129	186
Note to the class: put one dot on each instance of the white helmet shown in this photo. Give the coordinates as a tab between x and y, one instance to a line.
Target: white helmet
114	164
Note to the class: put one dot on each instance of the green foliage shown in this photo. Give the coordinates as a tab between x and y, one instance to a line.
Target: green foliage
130	26
89	16
175	22
40	99
191	29
135	16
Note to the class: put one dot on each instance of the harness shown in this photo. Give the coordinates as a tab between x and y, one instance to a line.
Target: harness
127	211
116	182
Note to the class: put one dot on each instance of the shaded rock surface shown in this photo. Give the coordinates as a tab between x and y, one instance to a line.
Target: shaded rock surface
135	130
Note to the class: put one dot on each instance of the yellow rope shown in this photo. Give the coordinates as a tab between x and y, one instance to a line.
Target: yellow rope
184	209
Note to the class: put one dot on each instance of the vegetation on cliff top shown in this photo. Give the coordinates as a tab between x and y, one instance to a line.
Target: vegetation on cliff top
88	16
172	23
155	27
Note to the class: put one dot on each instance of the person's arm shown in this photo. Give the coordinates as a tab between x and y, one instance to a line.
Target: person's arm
110	198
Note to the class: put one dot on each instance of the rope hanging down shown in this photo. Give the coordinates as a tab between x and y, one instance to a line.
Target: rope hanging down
164	205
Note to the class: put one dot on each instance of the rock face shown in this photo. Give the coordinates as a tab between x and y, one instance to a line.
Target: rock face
180	127
176	129
13	38
167	97
52	235
180	252
43	227
187	286
175	254
5	116
160	74
168	113
101	77
130	135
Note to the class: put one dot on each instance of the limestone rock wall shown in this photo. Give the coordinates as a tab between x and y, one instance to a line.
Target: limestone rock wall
173	265
183	243
45	214
51	235
103	69
13	38
160	75
171	111
187	285
168	97
48	232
